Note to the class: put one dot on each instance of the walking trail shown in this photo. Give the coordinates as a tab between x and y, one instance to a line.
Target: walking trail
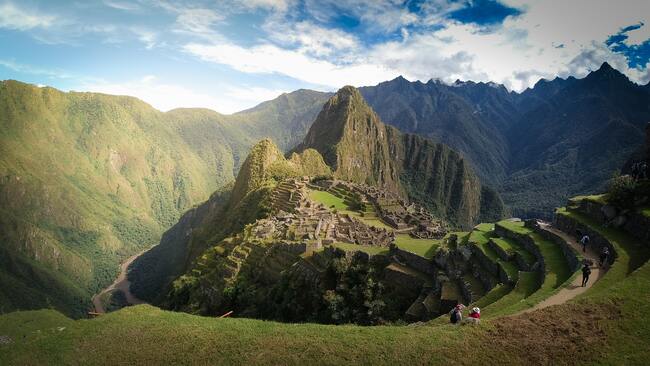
120	283
574	288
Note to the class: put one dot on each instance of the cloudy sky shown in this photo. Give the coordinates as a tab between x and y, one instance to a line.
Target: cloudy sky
232	54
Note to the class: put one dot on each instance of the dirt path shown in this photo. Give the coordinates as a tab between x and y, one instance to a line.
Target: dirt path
120	283
574	288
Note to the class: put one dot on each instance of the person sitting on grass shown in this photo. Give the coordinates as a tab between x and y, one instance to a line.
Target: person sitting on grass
586	271
456	315
474	316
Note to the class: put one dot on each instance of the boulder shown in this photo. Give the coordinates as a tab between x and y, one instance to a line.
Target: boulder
609	211
619	221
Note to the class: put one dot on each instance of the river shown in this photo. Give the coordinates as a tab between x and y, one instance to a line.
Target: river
121	283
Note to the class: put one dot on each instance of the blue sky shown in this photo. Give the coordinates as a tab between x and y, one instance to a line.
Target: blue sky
230	55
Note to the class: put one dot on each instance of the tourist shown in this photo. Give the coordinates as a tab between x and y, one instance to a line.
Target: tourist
456	315
474	316
584	241
604	256
586	271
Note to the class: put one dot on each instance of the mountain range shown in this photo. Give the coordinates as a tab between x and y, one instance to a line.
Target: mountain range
87	179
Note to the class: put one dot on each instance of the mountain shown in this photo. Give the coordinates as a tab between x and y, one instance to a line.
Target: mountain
468	117
88	179
536	147
225	213
573	142
360	148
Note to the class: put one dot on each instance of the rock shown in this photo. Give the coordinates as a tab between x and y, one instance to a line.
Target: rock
609	211
619	221
5	339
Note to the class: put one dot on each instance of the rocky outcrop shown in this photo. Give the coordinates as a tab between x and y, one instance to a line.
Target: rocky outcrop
360	148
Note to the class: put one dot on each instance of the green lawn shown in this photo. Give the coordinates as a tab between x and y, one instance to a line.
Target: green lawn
362	248
422	247
328	199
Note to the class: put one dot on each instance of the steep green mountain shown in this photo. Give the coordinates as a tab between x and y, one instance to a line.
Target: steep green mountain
225	213
361	148
87	180
468	117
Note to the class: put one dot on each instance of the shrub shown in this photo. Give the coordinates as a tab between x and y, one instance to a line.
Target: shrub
621	191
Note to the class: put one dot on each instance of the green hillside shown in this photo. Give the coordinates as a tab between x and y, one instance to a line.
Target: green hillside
87	180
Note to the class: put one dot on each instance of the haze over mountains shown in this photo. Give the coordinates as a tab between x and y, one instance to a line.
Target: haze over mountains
89	179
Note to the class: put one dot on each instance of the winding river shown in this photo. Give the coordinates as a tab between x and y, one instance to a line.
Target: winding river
120	283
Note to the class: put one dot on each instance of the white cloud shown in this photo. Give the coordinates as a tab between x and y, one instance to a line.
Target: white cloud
122	5
311	38
29	69
164	96
13	17
268	59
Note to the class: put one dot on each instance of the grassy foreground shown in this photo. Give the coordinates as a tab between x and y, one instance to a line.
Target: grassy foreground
606	330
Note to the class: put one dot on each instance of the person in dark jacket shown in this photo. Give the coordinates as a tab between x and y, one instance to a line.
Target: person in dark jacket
586	271
604	256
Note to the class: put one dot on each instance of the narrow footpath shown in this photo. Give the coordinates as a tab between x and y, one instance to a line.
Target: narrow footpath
120	283
574	288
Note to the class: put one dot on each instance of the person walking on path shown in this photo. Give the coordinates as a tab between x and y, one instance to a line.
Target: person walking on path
586	271
584	241
604	256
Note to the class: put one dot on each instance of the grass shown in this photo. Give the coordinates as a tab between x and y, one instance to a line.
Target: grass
527	284
630	255
361	248
557	269
610	328
480	237
493	295
510	246
328	199
423	247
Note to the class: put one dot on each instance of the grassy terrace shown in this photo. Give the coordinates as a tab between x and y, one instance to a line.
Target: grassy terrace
510	246
557	269
480	236
630	255
332	201
422	247
527	284
361	248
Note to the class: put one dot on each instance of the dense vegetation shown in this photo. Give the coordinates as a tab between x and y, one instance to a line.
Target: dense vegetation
87	180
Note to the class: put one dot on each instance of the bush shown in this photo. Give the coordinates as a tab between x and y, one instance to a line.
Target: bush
621	191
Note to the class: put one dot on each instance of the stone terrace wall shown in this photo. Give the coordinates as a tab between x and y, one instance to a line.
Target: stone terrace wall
597	241
634	223
569	254
416	262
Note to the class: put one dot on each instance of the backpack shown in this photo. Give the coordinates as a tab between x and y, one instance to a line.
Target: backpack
454	317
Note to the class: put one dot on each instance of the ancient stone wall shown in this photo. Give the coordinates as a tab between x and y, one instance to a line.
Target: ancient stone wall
596	241
569	253
415	261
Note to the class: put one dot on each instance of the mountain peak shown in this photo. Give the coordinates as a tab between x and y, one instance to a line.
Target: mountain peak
605	67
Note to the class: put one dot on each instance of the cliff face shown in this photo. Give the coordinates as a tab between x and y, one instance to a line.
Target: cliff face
361	148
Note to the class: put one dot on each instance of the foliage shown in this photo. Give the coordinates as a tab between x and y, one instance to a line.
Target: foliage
621	191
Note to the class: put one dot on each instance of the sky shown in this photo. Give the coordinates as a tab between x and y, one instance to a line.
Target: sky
233	54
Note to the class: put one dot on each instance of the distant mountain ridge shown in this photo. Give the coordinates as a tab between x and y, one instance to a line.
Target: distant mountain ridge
535	147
